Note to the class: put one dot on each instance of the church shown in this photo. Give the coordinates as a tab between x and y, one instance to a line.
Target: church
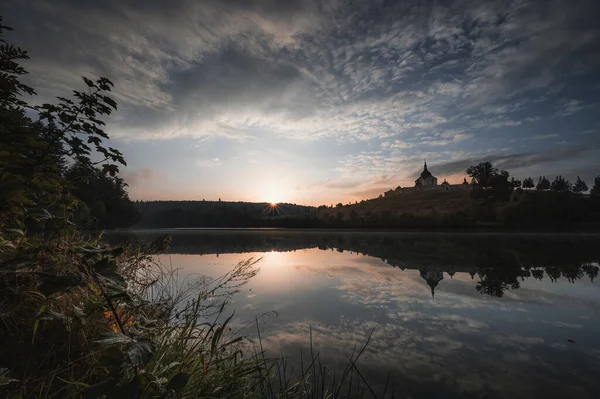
427	181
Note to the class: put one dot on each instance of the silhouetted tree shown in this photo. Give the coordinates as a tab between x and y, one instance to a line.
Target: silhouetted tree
560	185
543	184
490	183
339	205
516	183
595	191
104	201
579	186
528	183
482	175
33	153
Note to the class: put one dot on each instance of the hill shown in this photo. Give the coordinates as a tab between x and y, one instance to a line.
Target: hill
165	214
416	203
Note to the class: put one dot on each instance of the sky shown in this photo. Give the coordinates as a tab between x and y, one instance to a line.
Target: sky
324	101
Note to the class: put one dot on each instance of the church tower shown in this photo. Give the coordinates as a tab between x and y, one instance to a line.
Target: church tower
426	179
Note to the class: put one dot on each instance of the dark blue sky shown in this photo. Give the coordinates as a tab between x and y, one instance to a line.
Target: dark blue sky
326	101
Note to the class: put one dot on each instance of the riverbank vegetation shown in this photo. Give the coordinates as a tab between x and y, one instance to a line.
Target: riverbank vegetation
81	318
495	201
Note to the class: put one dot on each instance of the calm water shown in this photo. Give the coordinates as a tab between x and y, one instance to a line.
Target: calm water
484	316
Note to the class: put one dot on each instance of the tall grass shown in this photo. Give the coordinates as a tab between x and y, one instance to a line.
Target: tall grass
144	331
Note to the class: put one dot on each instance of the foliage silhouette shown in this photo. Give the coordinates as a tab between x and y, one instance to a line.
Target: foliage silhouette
579	186
528	183
560	185
543	184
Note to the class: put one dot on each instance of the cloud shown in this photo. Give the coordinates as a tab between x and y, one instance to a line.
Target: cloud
545	136
307	69
379	84
208	163
571	107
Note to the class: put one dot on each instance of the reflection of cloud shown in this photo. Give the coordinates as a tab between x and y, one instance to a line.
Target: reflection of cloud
462	343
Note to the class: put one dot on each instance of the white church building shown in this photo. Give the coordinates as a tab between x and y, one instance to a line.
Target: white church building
427	181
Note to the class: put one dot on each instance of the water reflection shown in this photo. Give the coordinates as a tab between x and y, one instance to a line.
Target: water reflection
455	316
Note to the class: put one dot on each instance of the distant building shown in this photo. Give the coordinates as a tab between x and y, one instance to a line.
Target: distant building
426	179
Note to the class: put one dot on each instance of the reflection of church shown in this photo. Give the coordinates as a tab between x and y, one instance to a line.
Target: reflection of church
432	277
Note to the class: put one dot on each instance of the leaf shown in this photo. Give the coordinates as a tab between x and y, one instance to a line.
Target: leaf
43	214
16	231
5	378
78	312
115	285
6	244
88	82
110	102
49	315
140	352
178	382
36	324
113	338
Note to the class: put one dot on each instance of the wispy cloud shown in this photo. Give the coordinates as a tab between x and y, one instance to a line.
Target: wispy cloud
390	81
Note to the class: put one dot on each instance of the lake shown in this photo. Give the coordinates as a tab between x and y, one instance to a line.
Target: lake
453	315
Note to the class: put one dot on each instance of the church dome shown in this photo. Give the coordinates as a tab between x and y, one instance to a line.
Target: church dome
426	173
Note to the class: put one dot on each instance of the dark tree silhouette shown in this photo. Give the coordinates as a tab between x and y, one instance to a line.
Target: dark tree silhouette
104	201
516	183
482	175
595	191
543	184
489	183
560	185
528	183
579	186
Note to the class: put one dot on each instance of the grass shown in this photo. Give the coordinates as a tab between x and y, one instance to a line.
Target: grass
418	203
82	319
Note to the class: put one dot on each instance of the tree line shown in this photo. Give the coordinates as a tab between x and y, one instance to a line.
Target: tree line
488	180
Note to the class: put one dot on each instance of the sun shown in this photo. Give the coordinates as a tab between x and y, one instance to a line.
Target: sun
273	203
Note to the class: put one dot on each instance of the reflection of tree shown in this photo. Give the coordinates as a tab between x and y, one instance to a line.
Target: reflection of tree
591	271
572	273
554	273
499	260
537	274
495	281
